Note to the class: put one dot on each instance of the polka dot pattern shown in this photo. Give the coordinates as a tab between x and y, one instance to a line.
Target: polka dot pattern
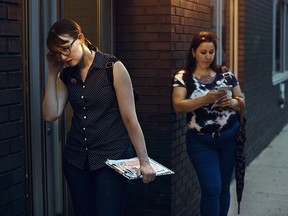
97	131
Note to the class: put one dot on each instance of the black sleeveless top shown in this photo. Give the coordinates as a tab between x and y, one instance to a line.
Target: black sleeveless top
97	131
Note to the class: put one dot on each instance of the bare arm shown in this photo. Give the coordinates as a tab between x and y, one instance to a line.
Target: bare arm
183	105
125	98
55	98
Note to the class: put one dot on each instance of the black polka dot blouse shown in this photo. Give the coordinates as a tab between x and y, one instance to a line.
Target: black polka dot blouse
97	131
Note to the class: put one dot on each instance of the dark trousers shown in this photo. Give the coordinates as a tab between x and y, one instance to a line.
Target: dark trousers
96	193
214	161
100	192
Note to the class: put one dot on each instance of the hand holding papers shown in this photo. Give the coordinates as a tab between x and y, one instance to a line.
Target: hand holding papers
129	167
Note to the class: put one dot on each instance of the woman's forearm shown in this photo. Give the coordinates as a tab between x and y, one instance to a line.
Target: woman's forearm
188	105
137	138
54	99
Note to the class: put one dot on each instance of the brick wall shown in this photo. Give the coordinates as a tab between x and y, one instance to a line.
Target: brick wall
12	173
143	42
188	17
265	117
152	38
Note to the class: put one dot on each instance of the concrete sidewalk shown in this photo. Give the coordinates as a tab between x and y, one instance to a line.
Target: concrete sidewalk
266	182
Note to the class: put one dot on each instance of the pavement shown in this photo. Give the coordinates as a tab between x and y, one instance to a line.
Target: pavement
266	182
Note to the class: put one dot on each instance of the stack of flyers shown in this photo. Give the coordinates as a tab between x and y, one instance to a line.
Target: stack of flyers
129	167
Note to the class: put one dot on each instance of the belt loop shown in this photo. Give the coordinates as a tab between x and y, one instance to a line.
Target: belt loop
215	134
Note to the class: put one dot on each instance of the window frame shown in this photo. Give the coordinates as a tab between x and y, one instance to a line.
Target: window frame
281	75
232	34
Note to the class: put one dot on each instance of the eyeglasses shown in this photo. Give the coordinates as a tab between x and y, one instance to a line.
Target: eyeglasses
65	51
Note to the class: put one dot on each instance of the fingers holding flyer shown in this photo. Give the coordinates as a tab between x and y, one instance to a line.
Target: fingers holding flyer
129	168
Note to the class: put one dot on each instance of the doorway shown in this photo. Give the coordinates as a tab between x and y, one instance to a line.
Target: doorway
47	193
96	19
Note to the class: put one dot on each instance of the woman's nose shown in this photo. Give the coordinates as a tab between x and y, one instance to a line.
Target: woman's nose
208	56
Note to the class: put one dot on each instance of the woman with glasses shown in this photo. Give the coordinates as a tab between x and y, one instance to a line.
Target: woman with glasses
104	124
209	95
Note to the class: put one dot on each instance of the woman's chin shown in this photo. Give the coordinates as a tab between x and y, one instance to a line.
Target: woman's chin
70	63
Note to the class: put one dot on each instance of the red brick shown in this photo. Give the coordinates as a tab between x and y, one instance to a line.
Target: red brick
14	13
152	75
12	1
18	174
129	47
10	63
126	19
145	55
146	108
132	28
10	28
175	2
3	80
3	45
131	12
15	79
201	8
145	37
3	11
158	28
179	11
124	3
11	130
4	115
145	3
124	37
144	19
158	10
16	145
9	97
14	45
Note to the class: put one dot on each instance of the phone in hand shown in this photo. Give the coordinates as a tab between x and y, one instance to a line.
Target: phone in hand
228	94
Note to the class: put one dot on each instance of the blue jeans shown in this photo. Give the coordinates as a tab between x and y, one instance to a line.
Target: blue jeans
101	192
214	161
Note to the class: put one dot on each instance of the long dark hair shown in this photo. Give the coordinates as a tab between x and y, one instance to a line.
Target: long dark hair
200	37
65	27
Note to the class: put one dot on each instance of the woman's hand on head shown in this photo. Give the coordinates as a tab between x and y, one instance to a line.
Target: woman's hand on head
54	65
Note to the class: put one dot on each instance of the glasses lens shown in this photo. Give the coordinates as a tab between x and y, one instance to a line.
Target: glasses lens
65	51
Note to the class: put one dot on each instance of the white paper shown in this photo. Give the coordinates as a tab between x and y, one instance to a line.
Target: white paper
129	167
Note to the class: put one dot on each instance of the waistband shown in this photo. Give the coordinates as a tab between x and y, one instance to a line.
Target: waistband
215	134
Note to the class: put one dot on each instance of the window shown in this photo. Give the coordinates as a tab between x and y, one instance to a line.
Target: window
280	42
224	22
96	17
218	26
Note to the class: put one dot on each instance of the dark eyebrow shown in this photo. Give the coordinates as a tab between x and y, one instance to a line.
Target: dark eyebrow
207	50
